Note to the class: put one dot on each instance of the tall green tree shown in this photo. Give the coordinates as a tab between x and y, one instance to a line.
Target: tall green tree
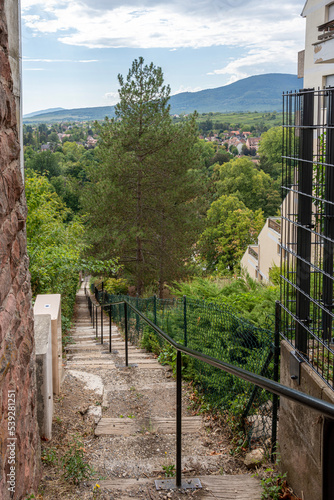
143	198
230	228
253	187
270	151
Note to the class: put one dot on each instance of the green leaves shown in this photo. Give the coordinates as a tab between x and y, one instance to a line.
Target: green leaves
252	186
231	227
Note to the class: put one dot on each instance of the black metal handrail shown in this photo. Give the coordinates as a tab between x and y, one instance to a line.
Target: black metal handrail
93	311
326	409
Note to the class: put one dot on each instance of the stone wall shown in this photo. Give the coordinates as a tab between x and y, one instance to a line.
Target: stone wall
19	444
300	430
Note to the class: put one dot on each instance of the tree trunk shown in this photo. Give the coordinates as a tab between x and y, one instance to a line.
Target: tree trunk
139	255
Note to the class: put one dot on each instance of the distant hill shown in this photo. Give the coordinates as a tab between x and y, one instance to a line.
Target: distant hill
255	93
74	115
37	113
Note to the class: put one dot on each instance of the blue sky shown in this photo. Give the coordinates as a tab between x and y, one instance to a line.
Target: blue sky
73	50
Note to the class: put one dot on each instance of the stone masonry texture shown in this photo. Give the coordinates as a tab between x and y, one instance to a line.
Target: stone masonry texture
17	352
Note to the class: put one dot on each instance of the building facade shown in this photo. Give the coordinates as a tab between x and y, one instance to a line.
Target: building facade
316	62
259	259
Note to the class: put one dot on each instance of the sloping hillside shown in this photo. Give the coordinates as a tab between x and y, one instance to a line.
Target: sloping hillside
256	93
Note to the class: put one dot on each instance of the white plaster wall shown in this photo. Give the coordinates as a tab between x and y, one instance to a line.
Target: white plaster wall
314	74
249	264
268	254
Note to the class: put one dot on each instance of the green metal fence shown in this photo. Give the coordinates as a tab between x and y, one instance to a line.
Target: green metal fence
217	332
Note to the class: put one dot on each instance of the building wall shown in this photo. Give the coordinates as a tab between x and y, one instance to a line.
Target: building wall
300	430
268	254
17	356
249	263
315	74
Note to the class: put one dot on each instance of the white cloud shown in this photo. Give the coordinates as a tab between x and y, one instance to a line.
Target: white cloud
276	56
111	97
182	88
154	24
29	59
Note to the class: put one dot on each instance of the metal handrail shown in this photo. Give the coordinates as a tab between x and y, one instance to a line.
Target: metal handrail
326	409
316	404
93	309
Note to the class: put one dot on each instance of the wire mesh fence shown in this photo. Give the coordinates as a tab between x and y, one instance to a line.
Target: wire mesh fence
216	332
308	227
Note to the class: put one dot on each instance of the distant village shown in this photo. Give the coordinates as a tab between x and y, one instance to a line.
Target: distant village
242	141
45	137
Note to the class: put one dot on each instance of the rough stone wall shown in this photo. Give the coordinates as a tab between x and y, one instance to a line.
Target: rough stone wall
300	431
17	355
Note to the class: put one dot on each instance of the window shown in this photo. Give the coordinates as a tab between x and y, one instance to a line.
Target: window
330	16
329	81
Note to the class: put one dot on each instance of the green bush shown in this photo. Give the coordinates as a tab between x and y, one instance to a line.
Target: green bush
116	286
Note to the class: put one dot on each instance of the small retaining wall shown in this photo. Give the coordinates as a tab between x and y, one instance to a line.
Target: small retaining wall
44	374
51	304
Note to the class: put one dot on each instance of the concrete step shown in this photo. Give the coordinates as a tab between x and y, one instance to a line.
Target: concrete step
222	487
129	426
80	365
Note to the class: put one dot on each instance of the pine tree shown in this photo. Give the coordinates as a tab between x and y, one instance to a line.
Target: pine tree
144	196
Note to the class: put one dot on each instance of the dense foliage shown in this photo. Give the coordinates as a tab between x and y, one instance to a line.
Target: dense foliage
253	187
230	228
54	247
248	298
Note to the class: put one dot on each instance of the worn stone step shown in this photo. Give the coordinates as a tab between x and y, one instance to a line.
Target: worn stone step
222	487
93	356
111	389
91	364
84	347
128	426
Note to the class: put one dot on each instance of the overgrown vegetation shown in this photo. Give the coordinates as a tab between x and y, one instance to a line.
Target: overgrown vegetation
54	246
55	242
75	466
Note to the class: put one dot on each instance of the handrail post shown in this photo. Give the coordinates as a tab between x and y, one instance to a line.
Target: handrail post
110	328
126	333
96	321
155	308
137	317
93	314
101	324
276	374
185	320
178	418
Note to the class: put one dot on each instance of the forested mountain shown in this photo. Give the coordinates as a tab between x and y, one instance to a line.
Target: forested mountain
256	93
50	110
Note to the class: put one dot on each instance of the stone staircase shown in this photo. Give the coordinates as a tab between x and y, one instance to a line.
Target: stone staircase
135	424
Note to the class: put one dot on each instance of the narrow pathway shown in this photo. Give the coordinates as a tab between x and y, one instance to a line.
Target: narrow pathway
135	425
